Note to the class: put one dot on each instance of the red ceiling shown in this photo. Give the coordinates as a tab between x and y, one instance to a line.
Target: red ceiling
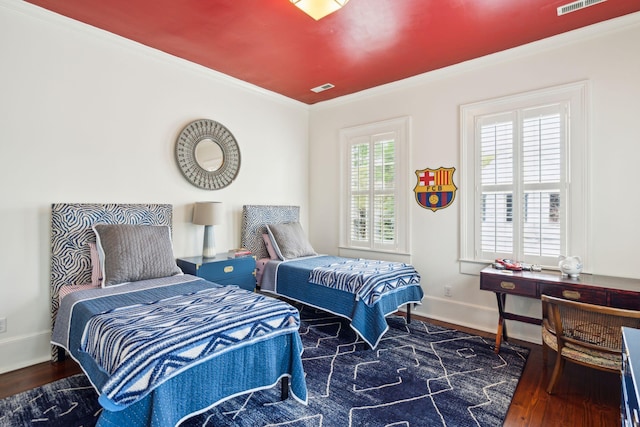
274	45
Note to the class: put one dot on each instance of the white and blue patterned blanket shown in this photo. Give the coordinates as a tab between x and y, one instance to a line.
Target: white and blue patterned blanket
367	279
142	345
291	279
132	343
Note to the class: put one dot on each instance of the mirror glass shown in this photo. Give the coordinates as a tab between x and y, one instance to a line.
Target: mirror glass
209	155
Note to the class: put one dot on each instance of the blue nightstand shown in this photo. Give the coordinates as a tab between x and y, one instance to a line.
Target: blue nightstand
222	270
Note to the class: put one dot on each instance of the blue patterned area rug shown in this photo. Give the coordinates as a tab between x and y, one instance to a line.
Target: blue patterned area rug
420	375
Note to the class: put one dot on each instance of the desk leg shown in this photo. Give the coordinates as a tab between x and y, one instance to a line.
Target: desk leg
502	327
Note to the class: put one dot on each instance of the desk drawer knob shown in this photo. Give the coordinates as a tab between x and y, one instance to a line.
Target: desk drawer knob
571	294
507	285
228	269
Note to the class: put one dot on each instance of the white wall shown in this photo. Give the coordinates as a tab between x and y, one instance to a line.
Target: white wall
606	54
86	116
89	117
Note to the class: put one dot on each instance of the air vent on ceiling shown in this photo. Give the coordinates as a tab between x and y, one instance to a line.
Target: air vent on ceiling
577	5
322	88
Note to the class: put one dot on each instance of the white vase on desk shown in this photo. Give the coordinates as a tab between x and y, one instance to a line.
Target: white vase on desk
570	266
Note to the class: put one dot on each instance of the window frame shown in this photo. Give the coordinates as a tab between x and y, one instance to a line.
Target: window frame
576	179
400	128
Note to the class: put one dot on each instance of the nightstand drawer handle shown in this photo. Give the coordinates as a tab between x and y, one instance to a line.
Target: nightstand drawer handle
228	269
571	294
507	285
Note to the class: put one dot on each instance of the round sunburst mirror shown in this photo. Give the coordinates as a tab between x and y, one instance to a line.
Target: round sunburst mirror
208	154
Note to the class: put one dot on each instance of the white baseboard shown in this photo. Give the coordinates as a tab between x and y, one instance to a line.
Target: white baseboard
474	316
26	350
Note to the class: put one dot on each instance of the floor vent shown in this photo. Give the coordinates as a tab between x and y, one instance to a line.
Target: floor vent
577	5
322	88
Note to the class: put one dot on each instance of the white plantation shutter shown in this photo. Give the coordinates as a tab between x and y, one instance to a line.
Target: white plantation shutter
496	185
521	165
372	191
359	203
374	199
525	176
544	167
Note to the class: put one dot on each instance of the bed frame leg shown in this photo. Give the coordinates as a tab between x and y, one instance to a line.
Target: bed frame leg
61	355
284	388
409	313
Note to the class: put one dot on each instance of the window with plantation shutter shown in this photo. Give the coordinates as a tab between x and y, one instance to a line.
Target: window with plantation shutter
526	181
522	215
374	169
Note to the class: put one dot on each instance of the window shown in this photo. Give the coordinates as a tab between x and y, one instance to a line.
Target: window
525	172
374	202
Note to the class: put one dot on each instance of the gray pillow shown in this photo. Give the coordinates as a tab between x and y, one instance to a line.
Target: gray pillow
289	240
129	253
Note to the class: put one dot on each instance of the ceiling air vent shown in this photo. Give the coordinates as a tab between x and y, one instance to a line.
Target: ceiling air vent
577	5
322	88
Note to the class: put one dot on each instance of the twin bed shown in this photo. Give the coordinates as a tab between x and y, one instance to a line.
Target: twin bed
160	346
363	291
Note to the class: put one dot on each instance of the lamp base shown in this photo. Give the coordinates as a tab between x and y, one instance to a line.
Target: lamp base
209	243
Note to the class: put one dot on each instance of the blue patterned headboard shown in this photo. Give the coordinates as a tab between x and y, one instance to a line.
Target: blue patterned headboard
71	232
254	219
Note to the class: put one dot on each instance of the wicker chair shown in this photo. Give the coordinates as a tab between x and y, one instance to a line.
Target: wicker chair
586	334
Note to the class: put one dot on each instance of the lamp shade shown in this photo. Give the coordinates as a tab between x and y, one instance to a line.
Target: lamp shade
207	213
318	9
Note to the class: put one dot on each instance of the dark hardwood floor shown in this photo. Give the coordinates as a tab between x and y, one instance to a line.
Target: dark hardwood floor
583	397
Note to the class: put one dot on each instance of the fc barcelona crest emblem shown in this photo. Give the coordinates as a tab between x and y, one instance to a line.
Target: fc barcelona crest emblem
435	189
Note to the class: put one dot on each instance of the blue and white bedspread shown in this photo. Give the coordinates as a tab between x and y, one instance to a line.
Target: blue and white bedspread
367	279
291	278
130	340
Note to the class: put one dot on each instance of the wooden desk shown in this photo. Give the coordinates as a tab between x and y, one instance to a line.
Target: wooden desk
593	289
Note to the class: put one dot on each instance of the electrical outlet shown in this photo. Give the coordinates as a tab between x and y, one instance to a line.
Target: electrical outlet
447	291
3	324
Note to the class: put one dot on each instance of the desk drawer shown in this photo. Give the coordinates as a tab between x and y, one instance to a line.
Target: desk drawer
622	299
508	284
581	294
223	269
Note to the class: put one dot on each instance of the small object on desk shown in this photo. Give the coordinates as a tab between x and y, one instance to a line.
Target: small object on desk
531	267
570	266
502	264
509	264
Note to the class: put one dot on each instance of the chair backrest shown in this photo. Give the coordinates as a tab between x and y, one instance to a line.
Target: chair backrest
588	325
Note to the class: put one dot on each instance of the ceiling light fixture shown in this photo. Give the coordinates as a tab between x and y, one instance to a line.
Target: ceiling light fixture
318	9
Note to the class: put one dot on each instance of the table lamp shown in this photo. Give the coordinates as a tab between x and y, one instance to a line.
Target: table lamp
208	214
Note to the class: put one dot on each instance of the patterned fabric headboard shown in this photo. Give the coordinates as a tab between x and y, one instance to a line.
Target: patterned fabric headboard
254	218
71	232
